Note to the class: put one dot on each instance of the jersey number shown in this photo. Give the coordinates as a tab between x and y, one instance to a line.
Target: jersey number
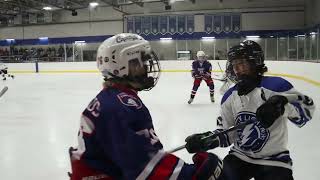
149	133
94	107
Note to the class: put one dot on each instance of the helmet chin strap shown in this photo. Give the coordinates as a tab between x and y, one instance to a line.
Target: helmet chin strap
141	83
148	83
247	83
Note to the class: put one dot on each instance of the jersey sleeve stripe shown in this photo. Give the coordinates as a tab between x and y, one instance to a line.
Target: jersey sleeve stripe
88	114
303	116
177	170
150	166
87	125
297	121
227	94
165	168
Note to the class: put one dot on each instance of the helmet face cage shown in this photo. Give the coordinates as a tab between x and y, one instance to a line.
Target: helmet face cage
201	58
151	63
230	73
147	74
250	51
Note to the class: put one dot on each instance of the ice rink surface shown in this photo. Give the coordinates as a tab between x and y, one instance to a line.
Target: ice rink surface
39	120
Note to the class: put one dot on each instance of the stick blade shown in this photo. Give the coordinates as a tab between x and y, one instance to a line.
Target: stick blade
3	91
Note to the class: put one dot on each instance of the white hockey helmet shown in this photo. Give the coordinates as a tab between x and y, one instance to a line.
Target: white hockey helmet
201	55
129	57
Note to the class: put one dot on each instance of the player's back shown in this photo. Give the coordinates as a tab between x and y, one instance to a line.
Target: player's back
110	126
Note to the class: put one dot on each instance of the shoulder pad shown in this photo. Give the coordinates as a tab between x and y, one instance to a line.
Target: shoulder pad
276	84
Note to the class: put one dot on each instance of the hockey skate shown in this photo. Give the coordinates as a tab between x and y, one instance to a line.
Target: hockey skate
190	100
212	98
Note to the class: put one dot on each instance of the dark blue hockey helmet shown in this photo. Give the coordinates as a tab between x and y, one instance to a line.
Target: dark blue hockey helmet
251	52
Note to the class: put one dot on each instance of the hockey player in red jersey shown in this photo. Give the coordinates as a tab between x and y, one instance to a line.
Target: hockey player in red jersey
116	138
259	150
201	70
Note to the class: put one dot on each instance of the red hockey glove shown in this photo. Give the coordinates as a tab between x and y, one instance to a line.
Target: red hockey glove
208	165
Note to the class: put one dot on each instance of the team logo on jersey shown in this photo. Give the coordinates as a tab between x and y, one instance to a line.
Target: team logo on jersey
253	137
129	100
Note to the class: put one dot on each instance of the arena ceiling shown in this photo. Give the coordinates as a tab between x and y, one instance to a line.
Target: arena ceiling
11	8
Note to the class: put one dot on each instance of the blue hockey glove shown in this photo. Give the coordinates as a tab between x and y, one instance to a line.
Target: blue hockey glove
271	110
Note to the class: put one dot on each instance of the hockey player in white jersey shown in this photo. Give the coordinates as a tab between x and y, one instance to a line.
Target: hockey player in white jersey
259	149
4	72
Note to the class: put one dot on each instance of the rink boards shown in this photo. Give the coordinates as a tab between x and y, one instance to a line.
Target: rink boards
306	71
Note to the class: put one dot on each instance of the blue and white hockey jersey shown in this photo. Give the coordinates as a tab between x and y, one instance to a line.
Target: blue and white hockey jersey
255	144
117	138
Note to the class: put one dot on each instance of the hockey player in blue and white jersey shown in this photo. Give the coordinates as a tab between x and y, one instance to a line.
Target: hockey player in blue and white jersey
201	70
259	149
116	139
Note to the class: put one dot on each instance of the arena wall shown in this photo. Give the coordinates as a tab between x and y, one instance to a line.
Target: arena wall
305	71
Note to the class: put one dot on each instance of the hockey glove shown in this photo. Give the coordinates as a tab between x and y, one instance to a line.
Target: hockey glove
271	110
201	142
207	75
208	166
197	76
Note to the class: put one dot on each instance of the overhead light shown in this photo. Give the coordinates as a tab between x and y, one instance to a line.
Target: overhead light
173	1
271	36
301	35
183	52
47	8
10	39
206	38
313	33
43	38
166	39
93	4
252	36
79	42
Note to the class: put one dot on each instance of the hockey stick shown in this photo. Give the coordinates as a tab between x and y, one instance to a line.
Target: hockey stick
291	98
218	79
232	128
220	67
4	90
223	80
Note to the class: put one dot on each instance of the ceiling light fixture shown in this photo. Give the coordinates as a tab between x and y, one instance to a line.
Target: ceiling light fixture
252	36
93	4
47	8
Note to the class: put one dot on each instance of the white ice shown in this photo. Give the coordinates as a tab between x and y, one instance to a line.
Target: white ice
39	120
